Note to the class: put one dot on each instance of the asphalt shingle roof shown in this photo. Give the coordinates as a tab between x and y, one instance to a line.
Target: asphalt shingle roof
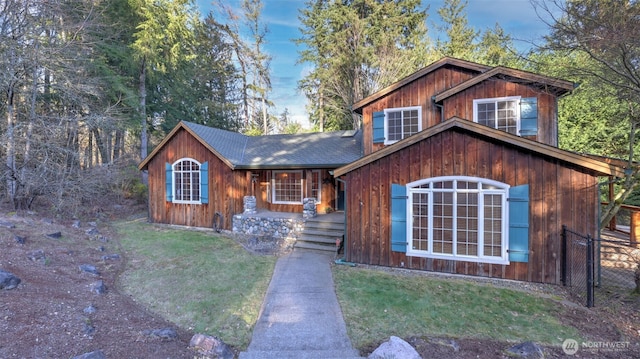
307	150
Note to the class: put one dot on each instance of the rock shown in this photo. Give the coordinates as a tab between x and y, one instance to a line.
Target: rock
88	330
98	354
8	280
98	287
210	347
47	220
88	268
36	255
101	249
111	256
527	350
19	240
93	231
89	310
55	235
395	348
76	224
7	225
164	333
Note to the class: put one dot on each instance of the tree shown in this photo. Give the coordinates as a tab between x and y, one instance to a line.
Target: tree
461	37
607	32
357	47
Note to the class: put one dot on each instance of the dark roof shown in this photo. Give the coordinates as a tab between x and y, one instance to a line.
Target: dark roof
307	150
494	136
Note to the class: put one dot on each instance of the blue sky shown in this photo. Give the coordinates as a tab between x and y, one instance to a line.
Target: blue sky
517	17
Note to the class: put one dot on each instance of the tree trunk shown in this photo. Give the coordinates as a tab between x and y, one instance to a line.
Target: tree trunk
143	117
10	147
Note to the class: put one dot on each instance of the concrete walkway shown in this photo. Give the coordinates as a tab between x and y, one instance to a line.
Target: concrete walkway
300	316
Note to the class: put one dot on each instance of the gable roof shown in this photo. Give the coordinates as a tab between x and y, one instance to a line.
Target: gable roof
551	84
357	107
494	136
238	151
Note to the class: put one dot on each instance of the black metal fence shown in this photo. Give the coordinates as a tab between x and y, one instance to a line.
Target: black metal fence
599	270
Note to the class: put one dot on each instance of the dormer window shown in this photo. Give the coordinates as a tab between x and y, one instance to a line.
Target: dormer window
395	124
513	114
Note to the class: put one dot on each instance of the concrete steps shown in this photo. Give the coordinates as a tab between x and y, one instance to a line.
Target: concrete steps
320	233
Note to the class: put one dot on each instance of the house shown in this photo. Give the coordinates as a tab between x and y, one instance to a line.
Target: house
484	192
455	169
199	173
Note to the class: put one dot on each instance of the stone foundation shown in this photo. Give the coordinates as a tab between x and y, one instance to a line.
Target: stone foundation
268	226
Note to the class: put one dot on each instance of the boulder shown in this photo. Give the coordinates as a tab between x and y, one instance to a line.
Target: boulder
37	255
55	235
395	348
8	280
19	239
164	333
210	347
98	287
7	225
526	350
88	268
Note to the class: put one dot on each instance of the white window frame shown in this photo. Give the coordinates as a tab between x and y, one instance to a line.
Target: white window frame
495	101
498	188
175	173
400	109
319	174
274	187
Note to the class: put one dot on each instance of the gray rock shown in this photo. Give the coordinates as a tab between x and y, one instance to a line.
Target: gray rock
395	348
47	220
20	240
37	255
76	224
164	333
98	354
7	225
92	231
55	235
210	347
89	310
88	268
88	330
527	350
111	256
98	287
8	280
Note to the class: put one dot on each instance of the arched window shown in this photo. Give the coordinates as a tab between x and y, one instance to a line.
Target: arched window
186	181
461	218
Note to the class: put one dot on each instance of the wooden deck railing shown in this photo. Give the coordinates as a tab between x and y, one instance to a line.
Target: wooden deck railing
627	220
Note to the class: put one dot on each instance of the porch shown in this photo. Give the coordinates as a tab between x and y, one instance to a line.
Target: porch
315	233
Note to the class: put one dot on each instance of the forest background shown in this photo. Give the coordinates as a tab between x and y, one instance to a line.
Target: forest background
90	86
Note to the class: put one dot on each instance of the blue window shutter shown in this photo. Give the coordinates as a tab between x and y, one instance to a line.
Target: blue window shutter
398	218
169	181
529	116
519	223
378	127
204	182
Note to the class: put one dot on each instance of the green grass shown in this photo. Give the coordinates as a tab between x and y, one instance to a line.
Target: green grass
198	280
377	305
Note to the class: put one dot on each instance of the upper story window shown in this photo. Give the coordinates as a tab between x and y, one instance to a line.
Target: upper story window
395	124
516	115
499	113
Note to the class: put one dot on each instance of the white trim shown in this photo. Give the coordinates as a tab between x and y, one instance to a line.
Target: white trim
495	100
400	109
174	183
501	189
273	187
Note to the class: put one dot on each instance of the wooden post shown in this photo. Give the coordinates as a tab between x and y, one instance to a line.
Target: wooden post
612	223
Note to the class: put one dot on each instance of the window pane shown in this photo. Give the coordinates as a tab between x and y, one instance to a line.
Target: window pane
507	116
420	221
288	187
394	126
493	225
487	114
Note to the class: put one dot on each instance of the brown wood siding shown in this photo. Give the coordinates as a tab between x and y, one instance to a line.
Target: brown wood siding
226	187
416	93
559	194
461	105
421	91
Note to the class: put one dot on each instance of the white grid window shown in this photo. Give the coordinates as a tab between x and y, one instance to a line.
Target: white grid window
499	113
401	123
186	181
287	187
316	185
461	218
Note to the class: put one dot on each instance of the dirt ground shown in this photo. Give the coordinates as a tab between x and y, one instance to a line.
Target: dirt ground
51	313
